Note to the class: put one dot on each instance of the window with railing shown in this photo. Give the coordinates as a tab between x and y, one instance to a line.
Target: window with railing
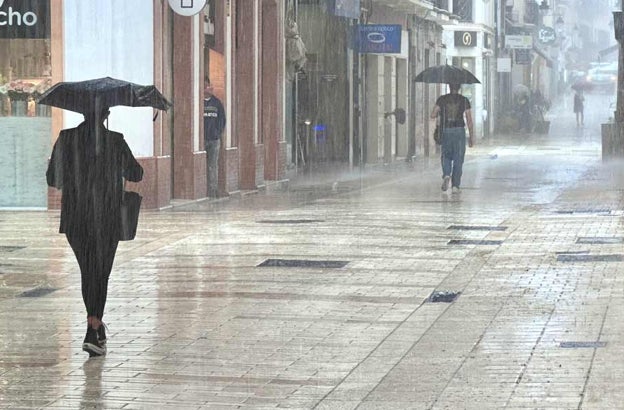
441	4
463	9
531	12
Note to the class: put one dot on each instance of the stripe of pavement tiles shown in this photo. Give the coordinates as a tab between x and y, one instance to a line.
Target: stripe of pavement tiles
295	296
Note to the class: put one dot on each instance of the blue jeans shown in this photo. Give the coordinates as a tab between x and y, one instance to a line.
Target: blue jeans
453	152
212	166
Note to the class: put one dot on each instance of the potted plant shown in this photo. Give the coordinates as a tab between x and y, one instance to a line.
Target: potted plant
18	92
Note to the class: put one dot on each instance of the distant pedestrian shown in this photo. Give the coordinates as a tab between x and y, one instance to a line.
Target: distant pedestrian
214	124
88	164
523	107
579	107
452	109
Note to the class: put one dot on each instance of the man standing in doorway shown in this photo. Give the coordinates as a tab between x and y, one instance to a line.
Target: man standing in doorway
214	124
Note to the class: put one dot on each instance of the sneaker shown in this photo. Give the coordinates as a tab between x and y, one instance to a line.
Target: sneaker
91	343
101	333
455	190
445	183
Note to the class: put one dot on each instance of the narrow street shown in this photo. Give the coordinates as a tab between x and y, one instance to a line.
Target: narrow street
532	246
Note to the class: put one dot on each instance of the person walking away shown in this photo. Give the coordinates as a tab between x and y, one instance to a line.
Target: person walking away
455	113
88	164
579	101
214	124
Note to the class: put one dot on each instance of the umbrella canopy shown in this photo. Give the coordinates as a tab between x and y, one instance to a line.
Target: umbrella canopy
581	85
520	90
446	74
92	95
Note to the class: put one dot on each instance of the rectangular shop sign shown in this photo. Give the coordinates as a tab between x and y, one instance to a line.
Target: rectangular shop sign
465	39
518	42
379	38
345	8
24	19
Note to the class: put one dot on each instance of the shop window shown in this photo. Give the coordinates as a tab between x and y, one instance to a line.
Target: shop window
25	74
25	64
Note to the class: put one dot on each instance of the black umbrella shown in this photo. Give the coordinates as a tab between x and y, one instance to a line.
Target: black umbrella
92	95
446	74
582	84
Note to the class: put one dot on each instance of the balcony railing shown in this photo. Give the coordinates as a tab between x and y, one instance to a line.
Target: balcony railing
441	4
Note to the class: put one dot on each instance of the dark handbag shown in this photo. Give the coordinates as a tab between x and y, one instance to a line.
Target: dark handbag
437	135
130	206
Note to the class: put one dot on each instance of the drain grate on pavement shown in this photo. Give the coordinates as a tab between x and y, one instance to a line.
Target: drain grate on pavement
473	242
599	240
37	292
289	221
477	228
582	345
589	258
443	297
11	248
302	263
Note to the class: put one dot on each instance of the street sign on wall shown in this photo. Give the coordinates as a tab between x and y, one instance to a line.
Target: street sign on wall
546	35
379	38
503	65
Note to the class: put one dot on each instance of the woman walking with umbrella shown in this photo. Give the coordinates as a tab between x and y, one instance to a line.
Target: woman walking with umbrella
452	108
89	164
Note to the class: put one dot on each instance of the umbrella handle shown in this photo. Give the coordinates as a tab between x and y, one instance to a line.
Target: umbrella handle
155	116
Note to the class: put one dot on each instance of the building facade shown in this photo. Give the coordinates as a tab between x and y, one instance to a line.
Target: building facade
299	89
240	48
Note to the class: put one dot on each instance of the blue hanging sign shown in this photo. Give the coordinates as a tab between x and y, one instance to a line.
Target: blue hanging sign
379	38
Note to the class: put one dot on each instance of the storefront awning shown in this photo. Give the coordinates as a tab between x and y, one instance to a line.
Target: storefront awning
608	50
549	61
408	6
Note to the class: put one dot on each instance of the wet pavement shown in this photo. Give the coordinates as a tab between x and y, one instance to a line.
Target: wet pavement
343	292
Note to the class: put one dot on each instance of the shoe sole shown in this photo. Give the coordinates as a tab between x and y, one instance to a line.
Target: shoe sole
93	350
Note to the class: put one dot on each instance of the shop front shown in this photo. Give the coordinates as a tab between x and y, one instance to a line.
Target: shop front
470	50
25	73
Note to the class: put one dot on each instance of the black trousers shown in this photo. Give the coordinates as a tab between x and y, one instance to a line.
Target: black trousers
95	257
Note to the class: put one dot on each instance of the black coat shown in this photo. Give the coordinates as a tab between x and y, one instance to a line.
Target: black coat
88	164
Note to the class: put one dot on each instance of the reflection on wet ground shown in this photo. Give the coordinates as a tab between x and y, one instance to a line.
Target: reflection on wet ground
526	317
